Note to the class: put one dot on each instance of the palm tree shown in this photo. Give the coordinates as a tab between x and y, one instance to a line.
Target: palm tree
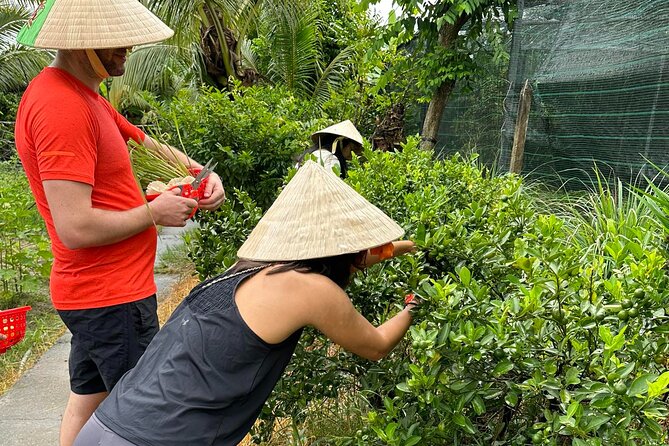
207	47
215	30
212	43
18	64
291	28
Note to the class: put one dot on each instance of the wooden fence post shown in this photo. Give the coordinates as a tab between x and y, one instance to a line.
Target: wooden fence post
520	133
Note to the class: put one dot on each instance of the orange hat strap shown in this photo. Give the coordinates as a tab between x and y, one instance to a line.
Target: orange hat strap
99	69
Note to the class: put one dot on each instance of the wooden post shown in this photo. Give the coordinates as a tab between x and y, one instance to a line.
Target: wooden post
520	133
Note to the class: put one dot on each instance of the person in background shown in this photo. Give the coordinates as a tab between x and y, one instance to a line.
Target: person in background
207	374
73	147
333	146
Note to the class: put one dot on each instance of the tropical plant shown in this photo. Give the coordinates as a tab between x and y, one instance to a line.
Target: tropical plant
536	328
212	44
18	64
254	133
25	256
291	31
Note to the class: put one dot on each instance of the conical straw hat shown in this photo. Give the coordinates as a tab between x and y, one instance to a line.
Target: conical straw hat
94	24
317	215
344	128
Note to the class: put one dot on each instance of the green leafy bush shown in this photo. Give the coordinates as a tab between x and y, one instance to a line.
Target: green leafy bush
213	248
536	328
254	134
25	256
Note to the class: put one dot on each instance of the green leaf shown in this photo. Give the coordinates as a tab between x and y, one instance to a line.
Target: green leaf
571	377
573	407
511	399
464	423
412	440
593	423
640	385
403	387
390	430
659	386
618	340
503	367
465	276
605	335
602	400
479	405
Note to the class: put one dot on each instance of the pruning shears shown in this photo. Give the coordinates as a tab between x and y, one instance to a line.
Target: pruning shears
193	190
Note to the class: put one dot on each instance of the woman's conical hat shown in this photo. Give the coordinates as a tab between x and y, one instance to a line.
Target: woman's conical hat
344	128
317	215
92	24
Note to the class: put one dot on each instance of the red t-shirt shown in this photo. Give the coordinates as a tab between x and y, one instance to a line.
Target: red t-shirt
66	131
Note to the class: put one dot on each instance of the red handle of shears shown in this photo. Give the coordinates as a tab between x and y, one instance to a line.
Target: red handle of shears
187	191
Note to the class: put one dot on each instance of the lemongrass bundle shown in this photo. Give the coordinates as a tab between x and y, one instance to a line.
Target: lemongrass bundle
150	165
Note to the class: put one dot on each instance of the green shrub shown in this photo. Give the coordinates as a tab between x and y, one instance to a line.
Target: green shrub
254	134
536	328
25	262
25	255
213	248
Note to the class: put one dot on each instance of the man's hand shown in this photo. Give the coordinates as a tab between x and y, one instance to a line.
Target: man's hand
214	194
171	209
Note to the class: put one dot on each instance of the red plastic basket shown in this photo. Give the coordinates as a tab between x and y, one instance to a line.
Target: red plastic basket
12	325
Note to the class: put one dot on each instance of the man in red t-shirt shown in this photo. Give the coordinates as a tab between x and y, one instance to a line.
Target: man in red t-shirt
73	146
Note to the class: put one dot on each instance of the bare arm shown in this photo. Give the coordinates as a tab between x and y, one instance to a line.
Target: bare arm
80	225
400	247
214	194
332	313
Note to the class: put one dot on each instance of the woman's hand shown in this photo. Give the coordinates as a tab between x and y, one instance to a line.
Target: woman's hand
403	247
388	251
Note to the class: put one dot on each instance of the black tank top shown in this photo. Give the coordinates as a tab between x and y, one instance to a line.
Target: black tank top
203	379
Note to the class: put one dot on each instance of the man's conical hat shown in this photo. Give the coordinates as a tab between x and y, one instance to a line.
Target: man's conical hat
317	215
344	128
92	24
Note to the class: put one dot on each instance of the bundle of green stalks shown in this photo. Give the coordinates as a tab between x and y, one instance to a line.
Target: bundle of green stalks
150	165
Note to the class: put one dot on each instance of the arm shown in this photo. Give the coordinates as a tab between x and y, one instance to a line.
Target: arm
331	312
401	247
214	194
80	225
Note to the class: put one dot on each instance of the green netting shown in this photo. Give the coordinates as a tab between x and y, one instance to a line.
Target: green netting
473	117
599	70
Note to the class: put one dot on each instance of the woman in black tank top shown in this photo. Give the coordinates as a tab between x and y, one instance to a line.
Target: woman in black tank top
204	378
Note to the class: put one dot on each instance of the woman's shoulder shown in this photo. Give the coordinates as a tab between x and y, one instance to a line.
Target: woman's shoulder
305	284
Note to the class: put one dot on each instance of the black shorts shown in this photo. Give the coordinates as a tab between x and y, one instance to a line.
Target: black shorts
107	342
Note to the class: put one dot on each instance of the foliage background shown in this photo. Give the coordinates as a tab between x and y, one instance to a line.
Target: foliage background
544	322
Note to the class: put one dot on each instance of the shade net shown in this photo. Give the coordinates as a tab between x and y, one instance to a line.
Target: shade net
599	70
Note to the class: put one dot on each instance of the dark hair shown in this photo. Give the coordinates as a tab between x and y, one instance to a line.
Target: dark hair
336	268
